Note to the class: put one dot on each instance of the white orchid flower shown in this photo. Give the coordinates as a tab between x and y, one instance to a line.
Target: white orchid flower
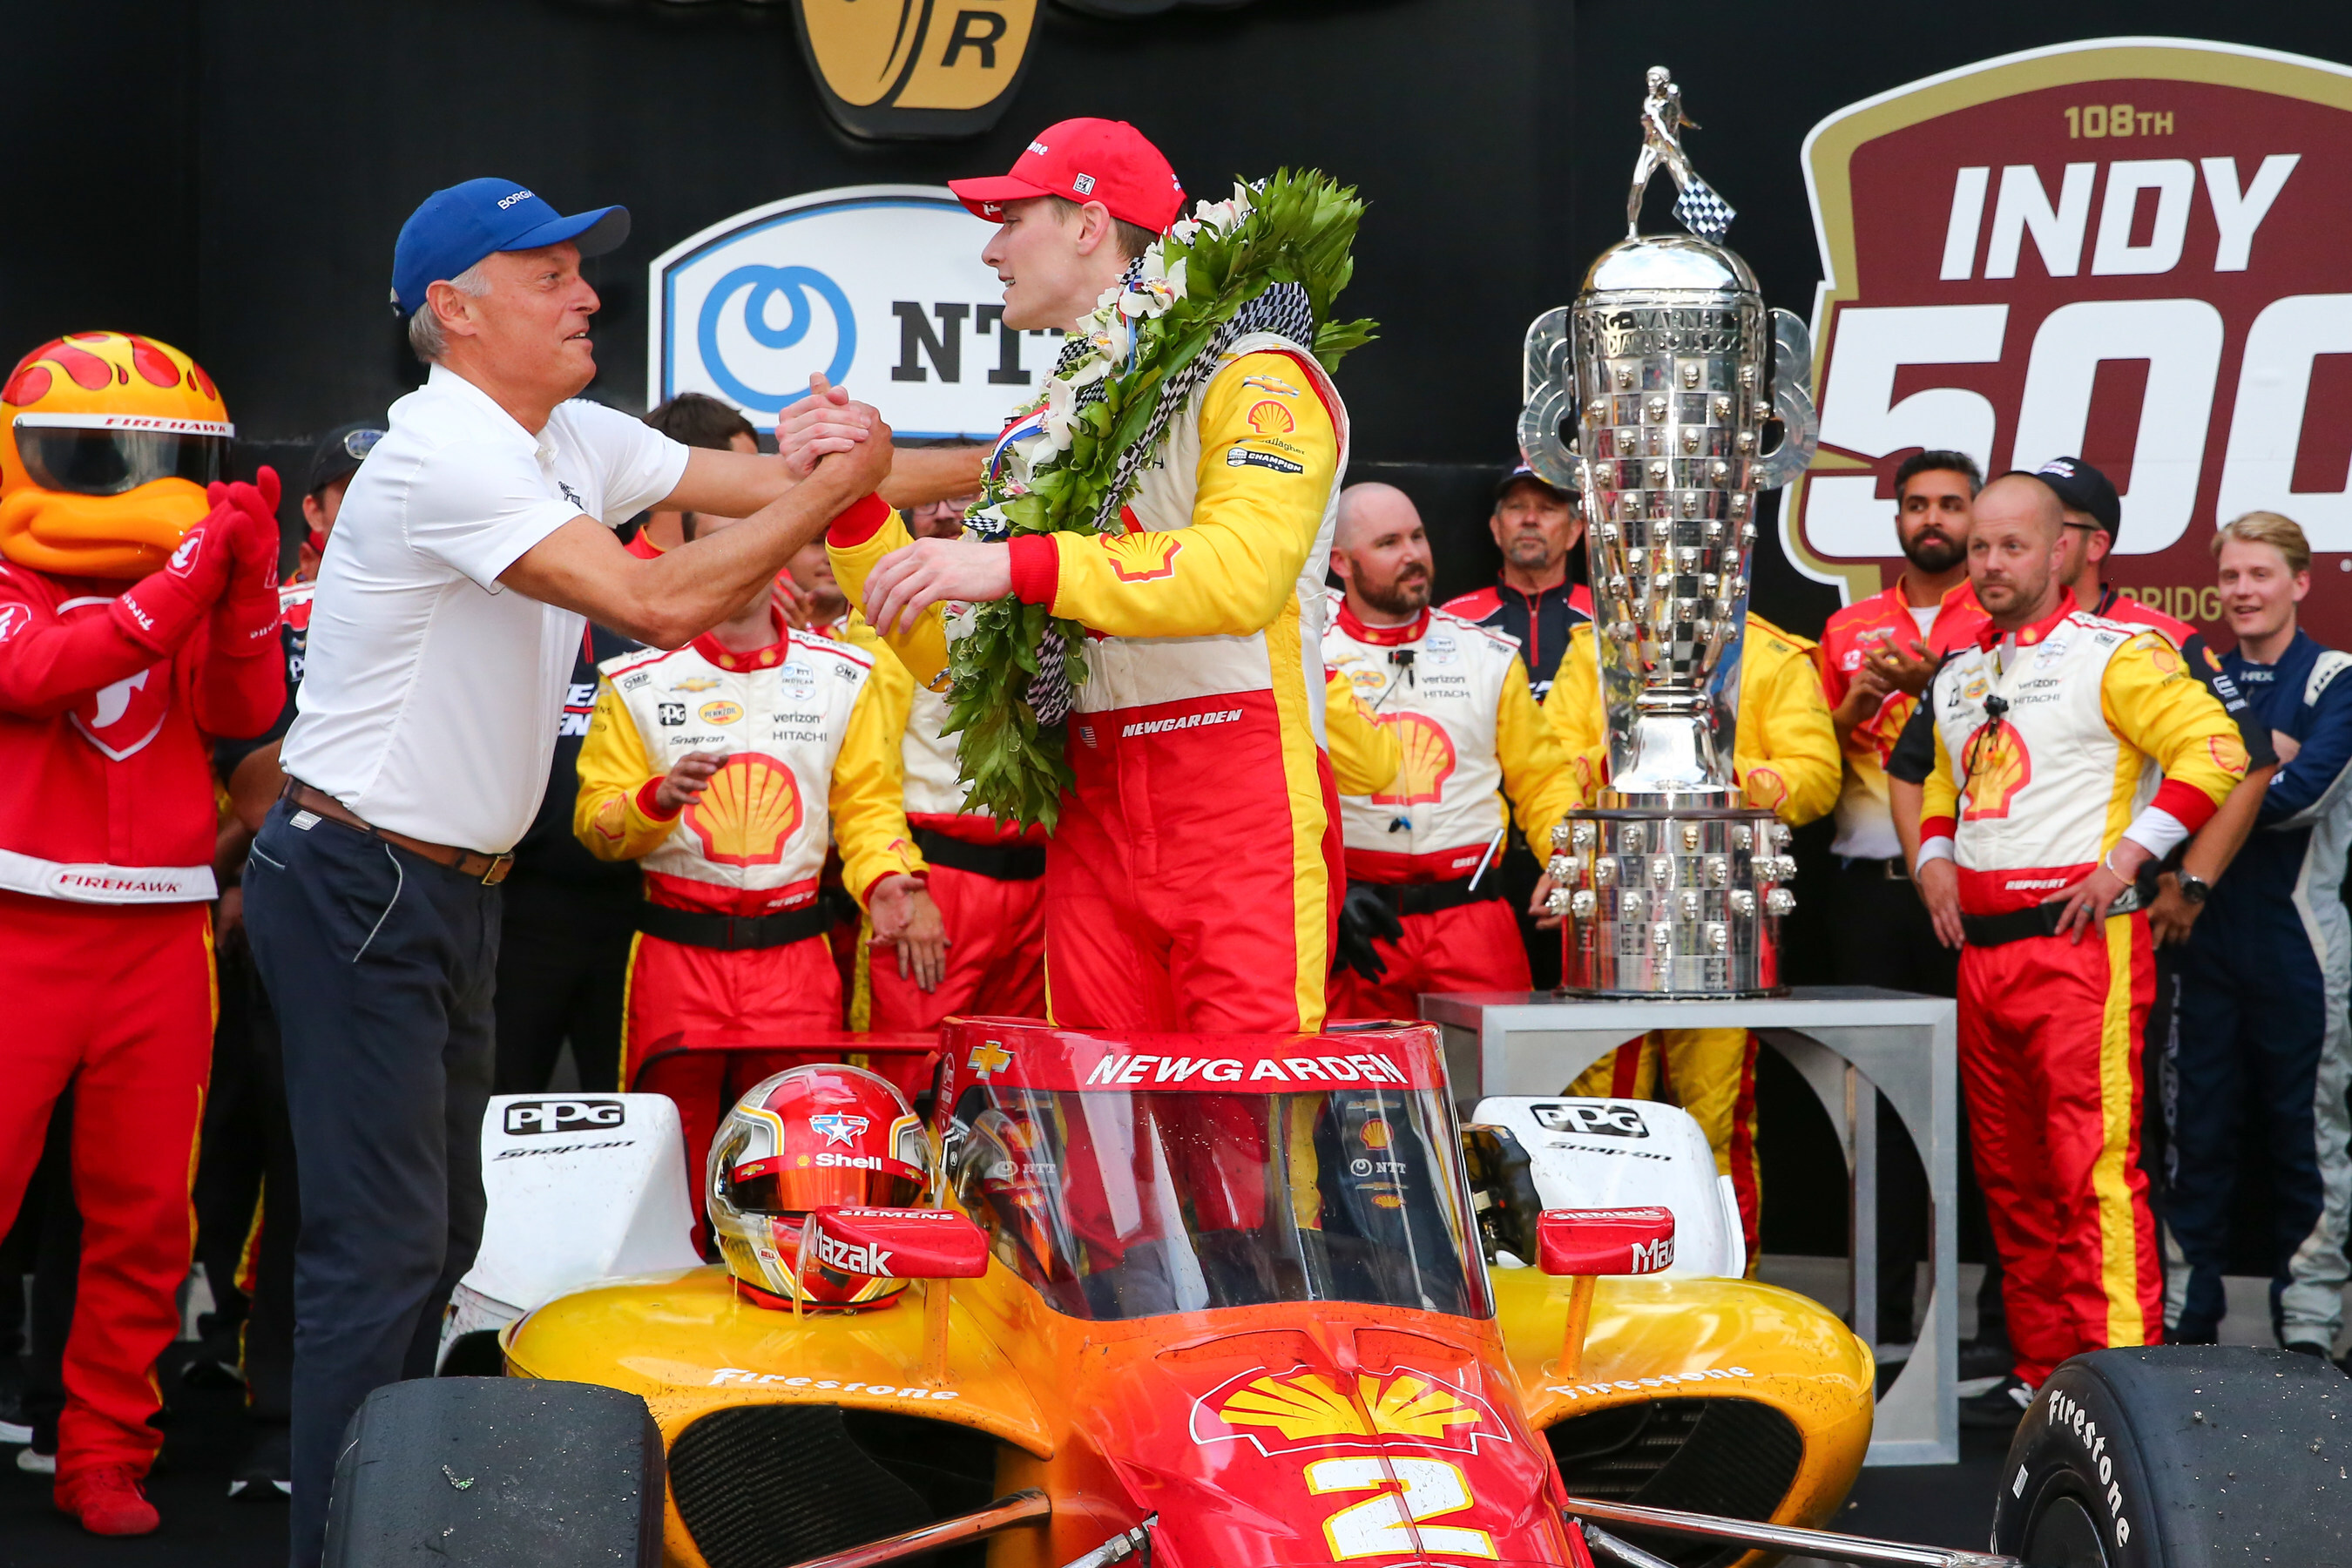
1086	375
1182	230
1111	338
1061	405
1162	281
1241	203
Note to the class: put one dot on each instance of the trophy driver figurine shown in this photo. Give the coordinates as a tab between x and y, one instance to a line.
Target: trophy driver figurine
1669	369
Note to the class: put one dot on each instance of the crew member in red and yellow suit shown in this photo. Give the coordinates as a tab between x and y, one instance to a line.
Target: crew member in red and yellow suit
138	619
1785	756
726	767
1422	852
2069	753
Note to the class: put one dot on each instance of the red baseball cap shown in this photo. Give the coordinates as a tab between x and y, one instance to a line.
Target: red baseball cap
1106	160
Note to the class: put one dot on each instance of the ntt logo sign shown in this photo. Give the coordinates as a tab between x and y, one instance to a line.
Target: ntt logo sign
880	288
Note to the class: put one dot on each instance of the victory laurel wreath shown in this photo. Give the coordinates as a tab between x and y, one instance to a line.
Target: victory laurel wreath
1294	227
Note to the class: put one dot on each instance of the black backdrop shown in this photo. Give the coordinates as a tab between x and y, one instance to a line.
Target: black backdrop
228	176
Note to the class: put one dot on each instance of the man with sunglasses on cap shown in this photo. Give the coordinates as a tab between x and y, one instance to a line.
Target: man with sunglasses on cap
2049	731
1190	881
468	552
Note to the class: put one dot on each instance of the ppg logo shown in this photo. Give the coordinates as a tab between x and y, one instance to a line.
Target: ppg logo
1593	1119
530	1116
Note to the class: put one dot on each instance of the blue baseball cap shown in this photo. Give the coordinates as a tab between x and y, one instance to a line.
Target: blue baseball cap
453	229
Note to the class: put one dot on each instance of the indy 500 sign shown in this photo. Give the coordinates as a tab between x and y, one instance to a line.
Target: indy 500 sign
880	288
2129	249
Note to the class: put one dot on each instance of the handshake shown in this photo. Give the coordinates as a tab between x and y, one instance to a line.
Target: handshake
827	432
229	558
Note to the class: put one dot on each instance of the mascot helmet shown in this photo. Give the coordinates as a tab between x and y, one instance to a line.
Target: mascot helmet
809	1138
107	442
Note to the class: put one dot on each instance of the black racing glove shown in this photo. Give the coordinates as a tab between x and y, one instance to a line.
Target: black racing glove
1365	917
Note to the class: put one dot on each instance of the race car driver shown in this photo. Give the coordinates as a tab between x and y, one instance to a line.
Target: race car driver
1424	910
1785	757
138	618
2044	803
1170	902
2266	975
725	767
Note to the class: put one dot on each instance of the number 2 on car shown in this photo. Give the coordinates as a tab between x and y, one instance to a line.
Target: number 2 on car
1390	1523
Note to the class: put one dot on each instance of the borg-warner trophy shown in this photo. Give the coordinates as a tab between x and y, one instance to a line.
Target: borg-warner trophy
1673	375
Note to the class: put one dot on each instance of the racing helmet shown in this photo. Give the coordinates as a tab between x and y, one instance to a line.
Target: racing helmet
808	1138
107	442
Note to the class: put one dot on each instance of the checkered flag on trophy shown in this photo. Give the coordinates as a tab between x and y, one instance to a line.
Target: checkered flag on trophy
1703	212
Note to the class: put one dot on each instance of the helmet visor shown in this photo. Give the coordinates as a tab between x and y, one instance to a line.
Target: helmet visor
797	1183
112	462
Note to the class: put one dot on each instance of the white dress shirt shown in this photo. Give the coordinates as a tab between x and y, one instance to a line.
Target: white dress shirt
431	695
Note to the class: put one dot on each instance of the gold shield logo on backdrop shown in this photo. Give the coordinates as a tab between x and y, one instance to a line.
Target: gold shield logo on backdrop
897	69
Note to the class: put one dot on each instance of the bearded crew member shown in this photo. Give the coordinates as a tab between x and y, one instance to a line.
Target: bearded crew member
1426	911
138	618
1785	758
726	767
2069	752
1191	878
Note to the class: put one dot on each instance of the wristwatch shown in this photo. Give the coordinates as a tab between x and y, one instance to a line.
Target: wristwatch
2194	890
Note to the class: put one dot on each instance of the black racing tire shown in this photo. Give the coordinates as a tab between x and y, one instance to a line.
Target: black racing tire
495	1472
2182	1457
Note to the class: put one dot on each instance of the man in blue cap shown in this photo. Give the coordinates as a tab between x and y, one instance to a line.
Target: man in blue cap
469	547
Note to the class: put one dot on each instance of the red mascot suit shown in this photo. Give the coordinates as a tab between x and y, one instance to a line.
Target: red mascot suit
138	617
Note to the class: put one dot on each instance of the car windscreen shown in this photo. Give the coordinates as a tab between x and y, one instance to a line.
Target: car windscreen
1122	1204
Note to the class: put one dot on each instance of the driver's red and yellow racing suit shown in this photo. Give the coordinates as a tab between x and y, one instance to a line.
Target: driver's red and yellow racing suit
2052	745
1785	756
1191	879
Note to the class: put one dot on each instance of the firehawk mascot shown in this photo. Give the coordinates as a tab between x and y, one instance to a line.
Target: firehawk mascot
1785	756
731	940
1192	877
138	619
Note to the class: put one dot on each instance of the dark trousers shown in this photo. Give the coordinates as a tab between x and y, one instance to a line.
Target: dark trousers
247	1173
45	1242
1884	938
379	965
564	969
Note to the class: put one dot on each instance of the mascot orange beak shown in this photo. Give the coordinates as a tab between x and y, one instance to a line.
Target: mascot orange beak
122	536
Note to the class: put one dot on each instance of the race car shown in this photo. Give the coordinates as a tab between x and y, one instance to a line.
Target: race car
1224	1301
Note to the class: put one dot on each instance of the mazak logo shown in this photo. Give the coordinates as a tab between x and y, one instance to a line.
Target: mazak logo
835	1127
1651	1257
853	1256
1593	1119
525	1117
2125	250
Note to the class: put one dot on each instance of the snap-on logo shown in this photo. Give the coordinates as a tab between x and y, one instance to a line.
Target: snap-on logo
534	1116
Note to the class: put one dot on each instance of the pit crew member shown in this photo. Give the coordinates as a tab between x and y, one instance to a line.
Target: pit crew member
2046	801
1171	901
726	767
1785	757
2267	973
1425	909
138	618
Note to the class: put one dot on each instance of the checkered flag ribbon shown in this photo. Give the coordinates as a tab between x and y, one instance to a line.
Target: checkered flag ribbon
1049	688
1703	212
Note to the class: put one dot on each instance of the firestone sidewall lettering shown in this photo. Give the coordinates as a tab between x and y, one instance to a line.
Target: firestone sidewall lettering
2120	251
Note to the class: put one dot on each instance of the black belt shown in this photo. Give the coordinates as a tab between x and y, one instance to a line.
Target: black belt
1891	870
2042	919
1004	862
732	933
1428	898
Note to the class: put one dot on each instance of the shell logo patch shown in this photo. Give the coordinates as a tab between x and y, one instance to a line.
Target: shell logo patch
1427	760
751	811
1302	1409
1998	766
1268	418
2229	754
2159	654
719	712
1141	557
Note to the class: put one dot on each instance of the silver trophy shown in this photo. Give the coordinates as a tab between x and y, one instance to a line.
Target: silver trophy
1672	374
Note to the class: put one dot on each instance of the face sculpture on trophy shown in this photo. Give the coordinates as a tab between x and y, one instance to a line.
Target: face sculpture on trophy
1673	375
